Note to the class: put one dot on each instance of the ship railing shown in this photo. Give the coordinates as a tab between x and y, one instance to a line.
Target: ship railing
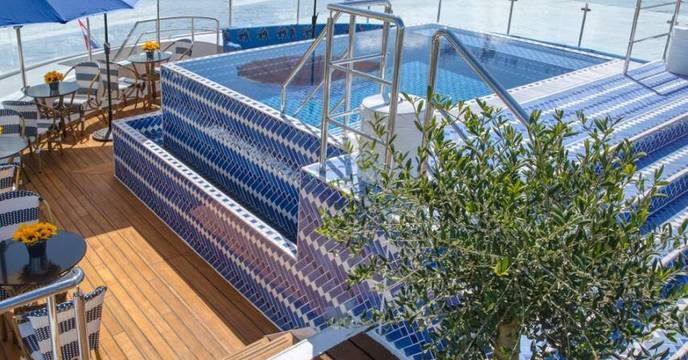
49	293
634	27
190	27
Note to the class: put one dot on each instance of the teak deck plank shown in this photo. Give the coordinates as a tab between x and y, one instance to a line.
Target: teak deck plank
163	301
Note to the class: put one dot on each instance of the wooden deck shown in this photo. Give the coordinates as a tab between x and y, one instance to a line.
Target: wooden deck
163	301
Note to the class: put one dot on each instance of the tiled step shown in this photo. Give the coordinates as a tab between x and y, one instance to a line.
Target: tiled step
648	100
672	158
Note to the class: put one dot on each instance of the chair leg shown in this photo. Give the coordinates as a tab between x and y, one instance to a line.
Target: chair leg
17	178
40	162
23	351
97	352
7	319
3	328
23	171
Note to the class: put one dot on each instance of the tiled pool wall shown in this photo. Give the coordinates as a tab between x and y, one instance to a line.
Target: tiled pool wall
293	286
235	39
248	149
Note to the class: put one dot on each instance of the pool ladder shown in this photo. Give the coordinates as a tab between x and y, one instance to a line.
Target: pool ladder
346	64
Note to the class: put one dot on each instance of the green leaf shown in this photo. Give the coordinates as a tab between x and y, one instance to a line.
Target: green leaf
501	267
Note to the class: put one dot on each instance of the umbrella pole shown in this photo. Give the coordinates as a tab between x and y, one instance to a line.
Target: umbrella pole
106	134
20	50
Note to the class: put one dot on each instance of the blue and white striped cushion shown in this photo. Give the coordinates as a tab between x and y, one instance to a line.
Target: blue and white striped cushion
11	122
16	208
86	73
30	340
33	123
39	328
8	177
114	79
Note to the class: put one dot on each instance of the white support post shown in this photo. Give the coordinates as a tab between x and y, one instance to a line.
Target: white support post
88	35
20	51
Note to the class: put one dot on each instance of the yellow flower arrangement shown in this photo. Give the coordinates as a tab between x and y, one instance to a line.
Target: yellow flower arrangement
150	46
53	77
32	234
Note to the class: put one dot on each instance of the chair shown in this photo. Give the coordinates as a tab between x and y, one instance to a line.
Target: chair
124	88
11	122
183	48
12	125
34	329
9	178
87	97
36	127
20	207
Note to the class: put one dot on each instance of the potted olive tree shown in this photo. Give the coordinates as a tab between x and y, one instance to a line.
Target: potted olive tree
509	235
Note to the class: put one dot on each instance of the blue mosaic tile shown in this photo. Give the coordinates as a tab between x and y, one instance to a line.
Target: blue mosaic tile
259	158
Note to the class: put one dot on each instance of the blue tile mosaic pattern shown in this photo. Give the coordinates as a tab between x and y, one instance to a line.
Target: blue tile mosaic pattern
247	150
293	289
653	106
251	152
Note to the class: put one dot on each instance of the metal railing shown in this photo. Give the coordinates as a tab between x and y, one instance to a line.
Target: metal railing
192	29
632	41
474	64
346	64
67	282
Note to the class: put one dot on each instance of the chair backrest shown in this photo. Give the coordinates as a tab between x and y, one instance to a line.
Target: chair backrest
29	113
114	79
16	208
182	49
11	122
34	327
8	177
86	75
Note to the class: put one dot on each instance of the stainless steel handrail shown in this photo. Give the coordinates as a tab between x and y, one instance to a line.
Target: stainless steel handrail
299	66
347	66
474	64
634	27
69	281
191	18
314	45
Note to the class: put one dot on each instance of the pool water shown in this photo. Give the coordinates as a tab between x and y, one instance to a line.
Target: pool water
512	62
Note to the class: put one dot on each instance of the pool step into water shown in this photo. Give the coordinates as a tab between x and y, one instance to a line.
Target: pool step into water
651	105
647	100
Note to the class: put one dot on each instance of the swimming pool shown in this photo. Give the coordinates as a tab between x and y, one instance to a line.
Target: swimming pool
259	73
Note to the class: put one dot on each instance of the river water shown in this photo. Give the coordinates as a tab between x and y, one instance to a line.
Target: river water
607	26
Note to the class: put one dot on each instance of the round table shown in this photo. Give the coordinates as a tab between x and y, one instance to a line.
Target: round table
11	145
41	93
18	269
149	63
